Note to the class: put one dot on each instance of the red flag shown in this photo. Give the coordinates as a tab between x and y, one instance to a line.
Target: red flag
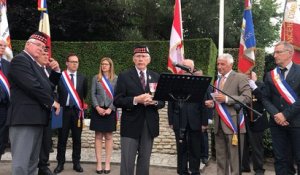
4	30
247	43
44	25
291	27
176	40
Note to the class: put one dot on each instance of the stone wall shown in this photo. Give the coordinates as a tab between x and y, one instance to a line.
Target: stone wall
164	143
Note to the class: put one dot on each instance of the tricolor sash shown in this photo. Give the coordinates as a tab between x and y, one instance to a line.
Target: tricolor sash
109	91
107	87
225	115
4	83
73	93
283	87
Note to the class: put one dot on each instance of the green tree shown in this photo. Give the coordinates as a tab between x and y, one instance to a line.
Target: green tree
202	20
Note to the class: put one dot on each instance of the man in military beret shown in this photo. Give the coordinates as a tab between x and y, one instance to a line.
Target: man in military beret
140	119
31	101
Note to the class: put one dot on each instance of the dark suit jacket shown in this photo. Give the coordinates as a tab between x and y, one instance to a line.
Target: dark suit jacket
193	114
81	88
133	116
260	123
274	103
5	66
31	93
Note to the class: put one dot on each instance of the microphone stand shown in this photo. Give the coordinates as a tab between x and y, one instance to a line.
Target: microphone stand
238	106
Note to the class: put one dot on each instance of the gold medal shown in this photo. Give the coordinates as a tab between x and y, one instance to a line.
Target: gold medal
234	140
78	123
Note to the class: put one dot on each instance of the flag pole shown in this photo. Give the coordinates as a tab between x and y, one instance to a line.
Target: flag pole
221	28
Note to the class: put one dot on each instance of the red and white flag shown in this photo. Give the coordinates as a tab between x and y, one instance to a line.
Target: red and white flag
4	30
247	43
44	25
290	30
176	50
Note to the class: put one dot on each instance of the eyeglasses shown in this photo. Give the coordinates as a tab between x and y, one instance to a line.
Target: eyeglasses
105	64
73	62
280	51
38	45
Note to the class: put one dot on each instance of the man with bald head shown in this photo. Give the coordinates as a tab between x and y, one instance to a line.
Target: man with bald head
281	100
237	86
4	97
30	105
193	120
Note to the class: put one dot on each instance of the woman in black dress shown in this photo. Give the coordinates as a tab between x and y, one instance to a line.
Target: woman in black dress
103	115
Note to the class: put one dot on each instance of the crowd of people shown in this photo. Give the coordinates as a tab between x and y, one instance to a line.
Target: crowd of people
32	86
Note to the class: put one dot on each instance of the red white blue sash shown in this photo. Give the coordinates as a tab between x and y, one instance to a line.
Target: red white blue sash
283	87
73	93
109	91
225	115
4	83
107	87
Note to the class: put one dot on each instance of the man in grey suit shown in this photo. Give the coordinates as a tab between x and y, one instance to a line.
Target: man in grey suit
237	86
29	110
281	100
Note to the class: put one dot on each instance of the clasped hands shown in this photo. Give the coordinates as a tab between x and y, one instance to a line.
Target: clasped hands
280	119
102	111
145	99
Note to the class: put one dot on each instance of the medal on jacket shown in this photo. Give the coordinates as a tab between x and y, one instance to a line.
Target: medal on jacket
234	140
78	123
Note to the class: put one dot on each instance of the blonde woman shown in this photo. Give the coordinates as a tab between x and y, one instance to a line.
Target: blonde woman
103	115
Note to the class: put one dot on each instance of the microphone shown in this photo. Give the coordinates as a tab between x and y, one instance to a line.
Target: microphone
183	67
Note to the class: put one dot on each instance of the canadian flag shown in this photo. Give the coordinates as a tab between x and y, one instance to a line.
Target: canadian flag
290	30
176	50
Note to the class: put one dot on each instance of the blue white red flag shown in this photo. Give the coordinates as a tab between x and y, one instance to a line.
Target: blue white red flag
176	50
247	43
44	25
4	30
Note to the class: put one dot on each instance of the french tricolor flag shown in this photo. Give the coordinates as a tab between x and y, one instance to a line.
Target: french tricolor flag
246	59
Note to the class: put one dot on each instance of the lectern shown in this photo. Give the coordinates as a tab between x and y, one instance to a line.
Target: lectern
181	89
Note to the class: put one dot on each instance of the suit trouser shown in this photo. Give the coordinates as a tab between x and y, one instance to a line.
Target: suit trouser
281	136
204	145
227	154
25	148
141	146
3	129
189	151
255	139
46	146
70	121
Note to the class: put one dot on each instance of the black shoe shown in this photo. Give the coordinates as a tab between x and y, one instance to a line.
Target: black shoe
246	170
106	171
205	161
59	168
99	171
77	168
44	171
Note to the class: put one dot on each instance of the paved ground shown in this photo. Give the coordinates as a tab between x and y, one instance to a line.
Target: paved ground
160	164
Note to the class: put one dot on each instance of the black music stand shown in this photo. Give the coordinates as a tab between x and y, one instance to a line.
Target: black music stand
181	89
